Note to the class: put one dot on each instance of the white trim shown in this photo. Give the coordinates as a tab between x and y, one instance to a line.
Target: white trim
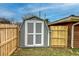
34	37
72	32
43	34
48	37
72	35
48	33
25	33
34	33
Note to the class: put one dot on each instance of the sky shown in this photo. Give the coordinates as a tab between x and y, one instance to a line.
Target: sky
51	11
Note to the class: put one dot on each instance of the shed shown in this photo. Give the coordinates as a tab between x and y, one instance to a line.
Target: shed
70	26
34	32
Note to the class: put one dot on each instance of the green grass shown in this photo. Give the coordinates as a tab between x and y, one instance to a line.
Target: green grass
46	52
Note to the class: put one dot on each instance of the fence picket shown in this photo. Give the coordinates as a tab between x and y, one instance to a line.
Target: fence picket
8	39
59	36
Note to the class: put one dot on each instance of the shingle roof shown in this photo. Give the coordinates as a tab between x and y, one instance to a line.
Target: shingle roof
71	18
29	18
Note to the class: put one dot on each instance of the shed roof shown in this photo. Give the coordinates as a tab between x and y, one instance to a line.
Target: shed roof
37	18
71	18
29	18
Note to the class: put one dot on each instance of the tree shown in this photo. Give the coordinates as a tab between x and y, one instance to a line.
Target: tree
4	21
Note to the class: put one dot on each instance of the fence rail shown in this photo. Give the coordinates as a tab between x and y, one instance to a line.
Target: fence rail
8	39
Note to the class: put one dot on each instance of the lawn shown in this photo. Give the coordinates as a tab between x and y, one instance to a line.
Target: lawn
46	52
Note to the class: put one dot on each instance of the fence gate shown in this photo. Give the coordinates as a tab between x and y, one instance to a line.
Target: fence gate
8	39
59	36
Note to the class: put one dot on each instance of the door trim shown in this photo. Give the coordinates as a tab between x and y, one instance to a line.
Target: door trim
34	38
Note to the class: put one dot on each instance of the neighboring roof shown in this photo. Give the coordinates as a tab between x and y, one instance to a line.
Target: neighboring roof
29	18
71	18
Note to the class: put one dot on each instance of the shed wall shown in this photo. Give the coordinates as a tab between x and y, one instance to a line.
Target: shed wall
46	32
22	35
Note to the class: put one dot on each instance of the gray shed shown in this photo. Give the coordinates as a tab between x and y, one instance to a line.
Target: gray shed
34	33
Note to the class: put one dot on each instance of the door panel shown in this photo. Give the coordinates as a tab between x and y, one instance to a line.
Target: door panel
30	27
38	39
30	39
30	32
38	27
38	34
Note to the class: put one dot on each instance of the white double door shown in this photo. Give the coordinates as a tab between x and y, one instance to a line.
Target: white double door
34	33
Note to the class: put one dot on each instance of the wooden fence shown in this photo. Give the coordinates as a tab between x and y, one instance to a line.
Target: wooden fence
8	39
59	36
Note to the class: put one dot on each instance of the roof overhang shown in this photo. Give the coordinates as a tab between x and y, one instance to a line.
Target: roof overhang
66	20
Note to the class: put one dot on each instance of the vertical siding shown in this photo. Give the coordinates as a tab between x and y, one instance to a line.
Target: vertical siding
59	36
22	35
45	35
76	36
69	36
